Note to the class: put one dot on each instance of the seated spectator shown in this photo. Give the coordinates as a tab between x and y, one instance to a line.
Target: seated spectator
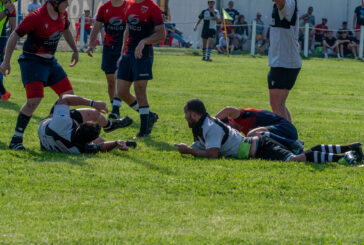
301	38
231	11
355	42
344	28
330	45
241	32
345	45
320	31
221	47
174	32
260	37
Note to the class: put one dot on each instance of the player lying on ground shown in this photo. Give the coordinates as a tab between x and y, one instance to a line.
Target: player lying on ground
78	131
213	139
254	122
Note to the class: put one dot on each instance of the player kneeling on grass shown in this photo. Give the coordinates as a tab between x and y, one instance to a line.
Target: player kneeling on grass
78	131
213	139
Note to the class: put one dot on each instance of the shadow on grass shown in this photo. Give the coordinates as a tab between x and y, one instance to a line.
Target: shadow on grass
15	107
158	145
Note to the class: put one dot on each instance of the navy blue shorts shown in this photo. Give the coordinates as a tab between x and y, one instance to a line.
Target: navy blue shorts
110	56
285	130
37	69
132	69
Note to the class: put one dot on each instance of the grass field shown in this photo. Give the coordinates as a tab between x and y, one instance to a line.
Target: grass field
153	195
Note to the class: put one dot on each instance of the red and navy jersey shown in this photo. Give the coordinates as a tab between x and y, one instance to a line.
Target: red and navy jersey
142	18
252	118
43	33
114	22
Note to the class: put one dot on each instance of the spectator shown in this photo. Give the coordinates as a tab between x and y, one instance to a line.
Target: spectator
241	32
345	45
88	25
320	31
174	32
260	38
221	47
301	38
355	42
330	45
358	19
345	28
231	11
33	5
310	16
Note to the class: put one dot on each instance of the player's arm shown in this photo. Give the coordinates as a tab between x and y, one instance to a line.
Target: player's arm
125	39
158	36
280	3
10	46
228	111
74	100
12	23
71	42
187	150
197	23
110	145
95	31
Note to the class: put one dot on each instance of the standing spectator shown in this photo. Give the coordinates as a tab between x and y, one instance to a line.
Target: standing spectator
33	5
111	15
145	26
330	45
88	26
284	55
343	29
345	45
358	19
260	38
231	11
310	16
8	8
241	31
210	17
320	31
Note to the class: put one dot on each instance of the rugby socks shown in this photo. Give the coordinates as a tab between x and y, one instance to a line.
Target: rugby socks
209	50
21	124
321	157
204	54
116	104
135	106
335	149
144	119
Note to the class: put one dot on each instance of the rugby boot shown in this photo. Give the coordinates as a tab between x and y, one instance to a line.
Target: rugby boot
118	123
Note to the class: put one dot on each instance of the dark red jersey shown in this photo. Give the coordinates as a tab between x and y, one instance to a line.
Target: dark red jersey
114	22
142	18
251	118
43	33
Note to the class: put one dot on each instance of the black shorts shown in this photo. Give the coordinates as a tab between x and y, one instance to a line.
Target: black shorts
76	115
282	78
208	33
269	149
110	56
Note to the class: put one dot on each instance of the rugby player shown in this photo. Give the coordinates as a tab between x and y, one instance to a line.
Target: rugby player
7	14
284	55
213	139
112	15
254	122
78	131
39	68
210	17
144	27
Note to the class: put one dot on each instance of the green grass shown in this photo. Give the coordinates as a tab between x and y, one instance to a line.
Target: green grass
153	195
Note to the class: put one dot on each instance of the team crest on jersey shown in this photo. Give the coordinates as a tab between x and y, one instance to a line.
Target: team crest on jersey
144	9
132	19
115	21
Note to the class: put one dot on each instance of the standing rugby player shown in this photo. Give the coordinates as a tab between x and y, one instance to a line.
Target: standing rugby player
112	15
39	68
210	17
144	27
284	55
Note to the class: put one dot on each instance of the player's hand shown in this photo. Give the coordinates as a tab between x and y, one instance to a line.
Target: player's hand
5	69
90	51
139	50
119	60
100	106
74	59
183	148
10	6
195	28
121	145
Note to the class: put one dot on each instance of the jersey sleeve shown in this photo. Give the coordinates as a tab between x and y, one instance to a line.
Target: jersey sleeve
61	122
288	10
213	136
29	24
157	17
100	16
217	14
201	15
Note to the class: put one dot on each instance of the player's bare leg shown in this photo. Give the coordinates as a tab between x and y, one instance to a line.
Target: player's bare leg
277	98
